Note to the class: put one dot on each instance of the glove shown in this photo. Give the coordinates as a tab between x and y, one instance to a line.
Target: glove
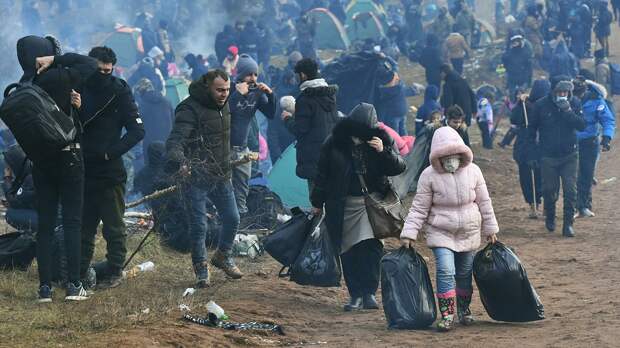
563	105
605	143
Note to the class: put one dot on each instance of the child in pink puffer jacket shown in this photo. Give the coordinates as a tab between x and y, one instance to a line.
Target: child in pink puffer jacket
453	205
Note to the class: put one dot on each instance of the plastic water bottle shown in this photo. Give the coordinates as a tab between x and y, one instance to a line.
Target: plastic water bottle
212	307
143	267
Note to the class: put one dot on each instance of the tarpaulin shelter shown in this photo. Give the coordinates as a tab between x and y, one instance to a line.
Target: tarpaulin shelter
127	44
285	183
357	76
330	33
365	25
177	89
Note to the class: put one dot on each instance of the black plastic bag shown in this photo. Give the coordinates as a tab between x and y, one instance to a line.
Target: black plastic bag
285	243
317	264
17	250
505	291
407	291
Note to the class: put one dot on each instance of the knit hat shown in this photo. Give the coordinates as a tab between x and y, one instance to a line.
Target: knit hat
155	52
233	50
563	86
246	66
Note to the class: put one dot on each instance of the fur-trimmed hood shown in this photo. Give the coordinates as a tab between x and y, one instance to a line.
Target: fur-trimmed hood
597	88
446	142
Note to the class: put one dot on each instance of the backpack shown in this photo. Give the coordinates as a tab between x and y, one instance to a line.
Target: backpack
17	250
264	206
38	124
615	78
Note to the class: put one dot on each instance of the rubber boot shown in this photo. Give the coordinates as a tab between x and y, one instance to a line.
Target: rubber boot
446	308
462	305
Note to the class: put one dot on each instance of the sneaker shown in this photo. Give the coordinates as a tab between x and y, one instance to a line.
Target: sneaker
76	292
225	262
202	275
45	294
584	213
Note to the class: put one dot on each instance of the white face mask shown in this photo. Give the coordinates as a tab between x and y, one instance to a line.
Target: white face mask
451	163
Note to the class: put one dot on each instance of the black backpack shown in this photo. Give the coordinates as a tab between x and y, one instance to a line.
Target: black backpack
17	250
264	206
38	124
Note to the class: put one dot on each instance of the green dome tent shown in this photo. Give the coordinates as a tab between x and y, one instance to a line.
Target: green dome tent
330	33
282	180
361	6
365	25
127	44
177	89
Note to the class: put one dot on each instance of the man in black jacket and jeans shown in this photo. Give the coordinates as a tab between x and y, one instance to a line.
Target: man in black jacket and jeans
315	115
199	148
108	107
555	122
58	180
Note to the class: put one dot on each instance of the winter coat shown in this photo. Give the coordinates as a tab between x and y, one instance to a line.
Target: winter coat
603	24
555	129
441	26
563	62
316	114
522	150
106	111
596	113
431	95
431	59
532	28
519	65
150	73
456	91
336	178
223	40
391	102
455	209
157	114
201	136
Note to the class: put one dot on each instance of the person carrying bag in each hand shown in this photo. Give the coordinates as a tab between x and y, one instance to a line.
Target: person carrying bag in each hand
453	204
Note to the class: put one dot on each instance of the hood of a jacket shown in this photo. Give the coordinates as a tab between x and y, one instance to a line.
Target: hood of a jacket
199	90
596	88
431	93
365	114
30	48
14	157
540	88
324	96
446	142
156	153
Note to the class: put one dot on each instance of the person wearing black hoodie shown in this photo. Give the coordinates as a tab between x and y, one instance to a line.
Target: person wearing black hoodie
108	109
156	113
199	148
431	60
456	91
555	121
59	180
315	115
522	151
356	147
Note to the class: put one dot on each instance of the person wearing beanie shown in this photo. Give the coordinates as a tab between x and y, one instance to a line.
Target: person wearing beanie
247	97
600	120
315	115
231	60
555	120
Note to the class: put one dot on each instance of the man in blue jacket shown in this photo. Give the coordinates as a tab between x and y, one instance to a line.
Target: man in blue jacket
598	116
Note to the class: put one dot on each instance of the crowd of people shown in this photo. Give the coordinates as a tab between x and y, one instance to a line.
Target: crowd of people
561	122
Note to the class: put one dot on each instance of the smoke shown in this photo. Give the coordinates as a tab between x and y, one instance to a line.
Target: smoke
199	28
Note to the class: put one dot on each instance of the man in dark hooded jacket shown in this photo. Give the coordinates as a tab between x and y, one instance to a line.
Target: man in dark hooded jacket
108	110
156	112
456	91
59	179
223	40
563	62
431	60
199	148
315	115
518	61
555	121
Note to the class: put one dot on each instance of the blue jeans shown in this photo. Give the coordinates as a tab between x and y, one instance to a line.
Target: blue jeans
398	124
453	271
588	155
223	197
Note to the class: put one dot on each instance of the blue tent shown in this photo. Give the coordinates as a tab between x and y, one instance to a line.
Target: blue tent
282	180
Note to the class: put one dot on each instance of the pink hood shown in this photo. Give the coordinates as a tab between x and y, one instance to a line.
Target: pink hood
446	142
403	143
